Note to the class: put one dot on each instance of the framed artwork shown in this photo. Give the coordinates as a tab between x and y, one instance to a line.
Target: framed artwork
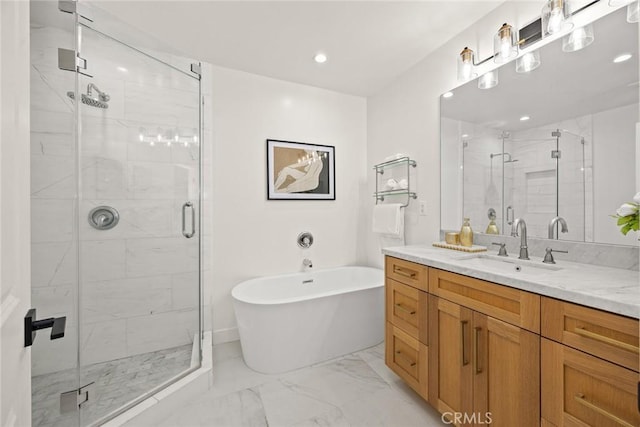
299	171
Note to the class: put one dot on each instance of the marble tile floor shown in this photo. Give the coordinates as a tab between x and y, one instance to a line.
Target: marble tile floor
354	390
116	383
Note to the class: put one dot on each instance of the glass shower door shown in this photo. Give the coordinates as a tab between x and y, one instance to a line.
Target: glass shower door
572	187
139	240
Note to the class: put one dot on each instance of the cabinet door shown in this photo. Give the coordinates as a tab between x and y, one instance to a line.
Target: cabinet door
506	371
582	390
407	309
450	355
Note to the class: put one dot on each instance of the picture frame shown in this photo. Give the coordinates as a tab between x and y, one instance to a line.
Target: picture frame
300	171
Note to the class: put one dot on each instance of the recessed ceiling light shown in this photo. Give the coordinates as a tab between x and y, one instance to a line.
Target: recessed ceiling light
622	58
447	95
524	118
320	58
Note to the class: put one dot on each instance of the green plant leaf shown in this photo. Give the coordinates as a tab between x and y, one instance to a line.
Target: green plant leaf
624	219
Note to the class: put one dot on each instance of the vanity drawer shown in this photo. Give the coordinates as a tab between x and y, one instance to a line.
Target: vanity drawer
513	306
606	335
407	357
407	272
407	309
582	390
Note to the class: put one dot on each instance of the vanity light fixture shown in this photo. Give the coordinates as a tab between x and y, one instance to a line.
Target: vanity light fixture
578	39
622	58
465	65
320	58
505	45
447	94
556	17
488	80
528	62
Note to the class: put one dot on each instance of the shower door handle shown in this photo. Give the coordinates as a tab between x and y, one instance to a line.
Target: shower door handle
185	233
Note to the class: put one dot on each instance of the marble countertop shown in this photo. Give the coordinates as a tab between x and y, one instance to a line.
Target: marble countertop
611	289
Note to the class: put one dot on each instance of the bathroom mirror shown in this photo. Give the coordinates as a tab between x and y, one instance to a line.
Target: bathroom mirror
559	140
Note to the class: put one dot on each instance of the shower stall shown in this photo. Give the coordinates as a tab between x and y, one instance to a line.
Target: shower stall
536	174
116	148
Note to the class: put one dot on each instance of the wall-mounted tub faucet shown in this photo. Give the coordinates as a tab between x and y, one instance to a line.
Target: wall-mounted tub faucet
307	263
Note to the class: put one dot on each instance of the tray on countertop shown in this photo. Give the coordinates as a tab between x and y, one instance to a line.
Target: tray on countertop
474	248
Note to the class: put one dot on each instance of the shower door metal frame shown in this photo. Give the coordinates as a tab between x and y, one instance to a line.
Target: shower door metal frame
81	21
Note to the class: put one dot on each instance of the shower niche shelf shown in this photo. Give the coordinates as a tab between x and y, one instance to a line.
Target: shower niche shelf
403	167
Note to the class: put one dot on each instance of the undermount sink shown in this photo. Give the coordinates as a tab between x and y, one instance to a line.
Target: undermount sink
507	265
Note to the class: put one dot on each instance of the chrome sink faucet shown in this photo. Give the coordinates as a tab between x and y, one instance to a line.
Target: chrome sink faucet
552	226
524	250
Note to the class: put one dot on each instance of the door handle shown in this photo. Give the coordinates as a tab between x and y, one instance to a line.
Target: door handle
463	328
185	233
31	325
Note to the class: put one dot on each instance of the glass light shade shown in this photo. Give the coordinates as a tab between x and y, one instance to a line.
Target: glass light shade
578	39
465	65
505	45
556	17
488	80
528	62
633	12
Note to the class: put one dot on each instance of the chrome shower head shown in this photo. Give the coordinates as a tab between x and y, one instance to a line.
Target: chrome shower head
89	99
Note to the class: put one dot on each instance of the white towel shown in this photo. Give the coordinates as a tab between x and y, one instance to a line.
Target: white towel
388	220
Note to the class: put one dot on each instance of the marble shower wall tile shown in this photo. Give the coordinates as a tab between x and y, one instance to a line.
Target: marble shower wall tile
161	256
125	298
53	264
160	331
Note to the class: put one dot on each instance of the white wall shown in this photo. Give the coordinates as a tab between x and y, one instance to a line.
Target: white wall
406	117
253	236
15	300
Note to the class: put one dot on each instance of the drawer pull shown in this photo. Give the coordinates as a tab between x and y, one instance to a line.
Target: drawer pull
463	327
405	309
622	345
476	340
405	358
581	400
401	272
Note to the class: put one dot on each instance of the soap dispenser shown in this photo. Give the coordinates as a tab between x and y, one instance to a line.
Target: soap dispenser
466	234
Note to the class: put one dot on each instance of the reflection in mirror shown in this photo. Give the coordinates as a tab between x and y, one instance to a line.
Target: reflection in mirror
557	141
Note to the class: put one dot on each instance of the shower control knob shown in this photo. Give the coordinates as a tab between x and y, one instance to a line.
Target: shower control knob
103	217
305	240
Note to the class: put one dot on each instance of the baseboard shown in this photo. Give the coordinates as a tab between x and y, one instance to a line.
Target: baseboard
225	335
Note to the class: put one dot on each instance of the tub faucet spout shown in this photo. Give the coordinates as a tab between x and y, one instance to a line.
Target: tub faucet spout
307	263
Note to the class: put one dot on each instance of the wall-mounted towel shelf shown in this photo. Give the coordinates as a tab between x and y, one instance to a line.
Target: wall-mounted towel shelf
405	190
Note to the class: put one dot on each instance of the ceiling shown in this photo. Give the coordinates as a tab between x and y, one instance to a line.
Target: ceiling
566	85
368	43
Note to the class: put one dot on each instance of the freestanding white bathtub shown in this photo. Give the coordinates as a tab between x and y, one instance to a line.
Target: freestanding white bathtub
291	321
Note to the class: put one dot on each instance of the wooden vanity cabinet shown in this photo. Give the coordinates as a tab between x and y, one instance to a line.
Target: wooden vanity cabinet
474	348
482	367
406	313
589	367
